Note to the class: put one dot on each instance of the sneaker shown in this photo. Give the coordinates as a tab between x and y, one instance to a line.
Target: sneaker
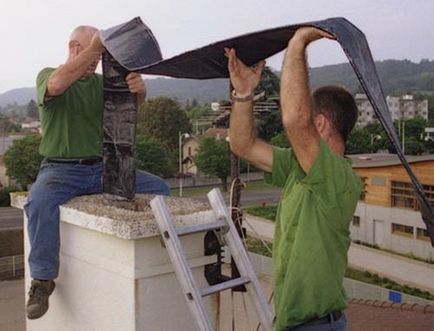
40	290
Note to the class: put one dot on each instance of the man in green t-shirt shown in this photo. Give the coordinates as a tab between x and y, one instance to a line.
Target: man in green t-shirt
320	189
70	101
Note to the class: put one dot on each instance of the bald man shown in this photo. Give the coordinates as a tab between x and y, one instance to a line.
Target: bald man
70	101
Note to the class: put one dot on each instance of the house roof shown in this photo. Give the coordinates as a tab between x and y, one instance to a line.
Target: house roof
369	315
215	133
383	159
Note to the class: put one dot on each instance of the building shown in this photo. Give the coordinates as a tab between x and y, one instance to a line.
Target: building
404	107
31	125
387	214
429	133
190	147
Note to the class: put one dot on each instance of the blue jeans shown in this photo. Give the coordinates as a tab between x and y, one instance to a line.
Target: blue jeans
56	184
334	325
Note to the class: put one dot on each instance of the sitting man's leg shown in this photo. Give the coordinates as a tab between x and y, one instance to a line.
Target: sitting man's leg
56	184
149	183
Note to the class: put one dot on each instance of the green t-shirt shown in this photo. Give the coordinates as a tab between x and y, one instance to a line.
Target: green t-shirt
72	122
311	235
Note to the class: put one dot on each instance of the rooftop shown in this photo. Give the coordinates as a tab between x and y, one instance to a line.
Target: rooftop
384	159
362	315
380	315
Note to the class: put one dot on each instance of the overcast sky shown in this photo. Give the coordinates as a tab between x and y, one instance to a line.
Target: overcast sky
34	34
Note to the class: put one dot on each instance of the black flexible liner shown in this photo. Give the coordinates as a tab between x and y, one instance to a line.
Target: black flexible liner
135	48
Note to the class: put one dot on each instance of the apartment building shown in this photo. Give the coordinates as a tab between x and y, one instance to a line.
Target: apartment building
404	107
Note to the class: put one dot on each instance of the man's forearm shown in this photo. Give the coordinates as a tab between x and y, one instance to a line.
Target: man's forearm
71	71
242	133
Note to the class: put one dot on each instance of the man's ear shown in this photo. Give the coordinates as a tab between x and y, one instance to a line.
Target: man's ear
320	122
74	47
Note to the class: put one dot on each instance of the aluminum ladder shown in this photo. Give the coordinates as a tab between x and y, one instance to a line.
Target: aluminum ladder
193	294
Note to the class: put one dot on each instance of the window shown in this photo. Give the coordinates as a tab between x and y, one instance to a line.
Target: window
189	151
356	221
429	192
422	234
402	230
364	184
403	196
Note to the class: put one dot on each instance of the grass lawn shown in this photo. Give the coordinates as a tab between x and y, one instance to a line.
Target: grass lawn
268	212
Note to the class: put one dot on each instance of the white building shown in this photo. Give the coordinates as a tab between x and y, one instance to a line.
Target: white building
404	107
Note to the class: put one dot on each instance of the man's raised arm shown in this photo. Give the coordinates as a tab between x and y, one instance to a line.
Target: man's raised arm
295	98
81	62
242	133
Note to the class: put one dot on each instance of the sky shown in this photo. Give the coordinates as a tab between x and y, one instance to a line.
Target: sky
34	34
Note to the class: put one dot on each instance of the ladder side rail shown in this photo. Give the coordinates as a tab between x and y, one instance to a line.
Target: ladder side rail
242	260
180	263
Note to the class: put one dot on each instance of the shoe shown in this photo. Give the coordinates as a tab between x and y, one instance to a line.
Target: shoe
37	304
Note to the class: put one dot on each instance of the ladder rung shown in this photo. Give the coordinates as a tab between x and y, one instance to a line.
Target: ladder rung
224	286
200	228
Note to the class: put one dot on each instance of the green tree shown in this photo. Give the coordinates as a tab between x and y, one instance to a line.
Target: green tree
268	125
358	142
414	146
32	109
162	118
22	160
151	156
269	83
7	126
213	159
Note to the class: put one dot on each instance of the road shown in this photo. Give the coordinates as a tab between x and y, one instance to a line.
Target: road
10	218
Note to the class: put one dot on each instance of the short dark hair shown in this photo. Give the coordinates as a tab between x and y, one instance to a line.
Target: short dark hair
338	105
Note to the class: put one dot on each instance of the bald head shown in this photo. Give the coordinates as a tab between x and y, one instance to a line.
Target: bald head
80	39
83	35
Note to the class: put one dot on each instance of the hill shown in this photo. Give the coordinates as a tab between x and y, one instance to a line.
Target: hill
397	77
204	91
20	96
181	89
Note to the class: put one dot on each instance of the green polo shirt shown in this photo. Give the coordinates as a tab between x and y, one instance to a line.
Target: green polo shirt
71	123
311	235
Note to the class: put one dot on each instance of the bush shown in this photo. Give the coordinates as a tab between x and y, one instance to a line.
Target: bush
5	199
22	160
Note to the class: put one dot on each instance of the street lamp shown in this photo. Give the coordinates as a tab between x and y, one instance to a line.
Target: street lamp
181	136
373	138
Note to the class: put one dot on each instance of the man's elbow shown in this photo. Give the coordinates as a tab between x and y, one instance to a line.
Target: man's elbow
238	148
54	88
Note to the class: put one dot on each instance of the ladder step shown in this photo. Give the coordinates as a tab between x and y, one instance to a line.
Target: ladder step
224	286
200	228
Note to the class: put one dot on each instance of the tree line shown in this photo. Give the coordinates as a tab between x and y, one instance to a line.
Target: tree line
160	120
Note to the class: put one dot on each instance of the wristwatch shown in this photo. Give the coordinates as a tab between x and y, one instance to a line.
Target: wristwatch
246	98
250	97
